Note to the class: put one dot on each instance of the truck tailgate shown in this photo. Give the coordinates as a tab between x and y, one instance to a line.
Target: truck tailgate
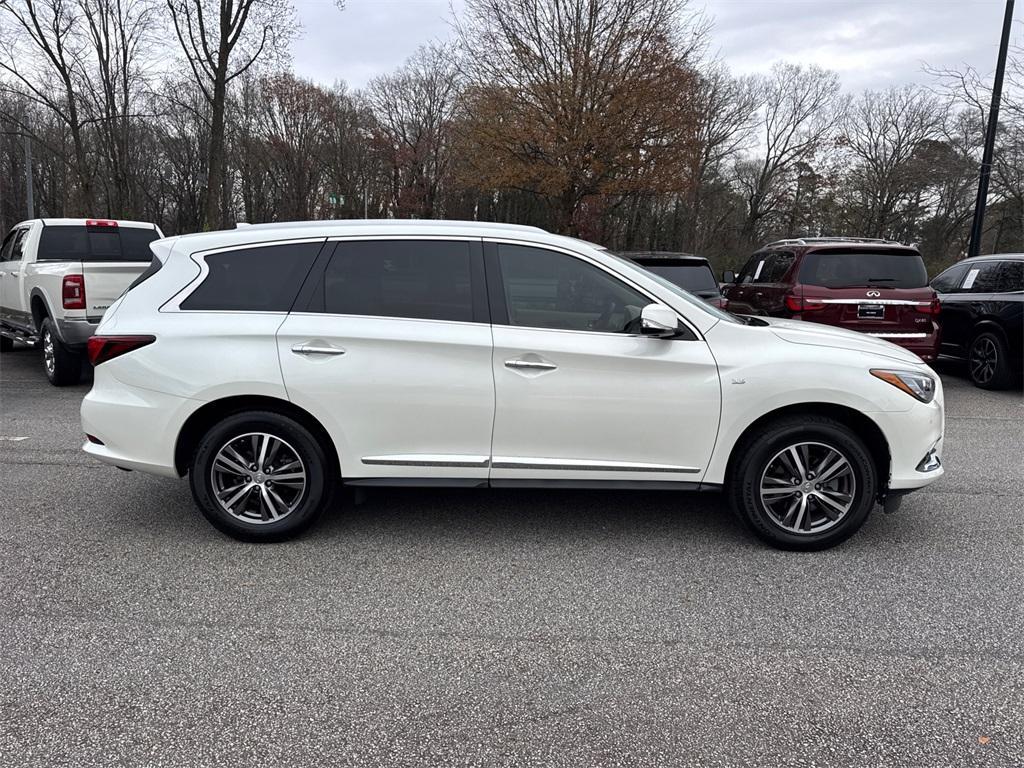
105	281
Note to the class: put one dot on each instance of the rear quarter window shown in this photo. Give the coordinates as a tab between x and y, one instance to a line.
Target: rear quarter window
258	279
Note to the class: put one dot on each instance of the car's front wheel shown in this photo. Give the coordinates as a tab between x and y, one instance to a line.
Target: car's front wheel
804	483
260	476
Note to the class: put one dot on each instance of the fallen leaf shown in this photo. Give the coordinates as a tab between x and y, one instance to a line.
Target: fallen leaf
984	739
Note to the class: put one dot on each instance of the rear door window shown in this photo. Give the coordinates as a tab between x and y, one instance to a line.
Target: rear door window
982	278
417	279
258	279
863	269
78	242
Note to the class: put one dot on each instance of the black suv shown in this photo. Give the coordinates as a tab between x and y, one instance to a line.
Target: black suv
692	273
982	317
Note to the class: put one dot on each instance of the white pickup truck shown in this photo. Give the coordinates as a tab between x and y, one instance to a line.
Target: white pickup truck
58	276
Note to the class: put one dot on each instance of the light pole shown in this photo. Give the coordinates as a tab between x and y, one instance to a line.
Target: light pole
990	136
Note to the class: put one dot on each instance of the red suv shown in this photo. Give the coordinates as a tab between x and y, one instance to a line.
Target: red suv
878	287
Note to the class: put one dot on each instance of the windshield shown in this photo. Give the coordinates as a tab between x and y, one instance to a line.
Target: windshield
852	269
693	277
680	292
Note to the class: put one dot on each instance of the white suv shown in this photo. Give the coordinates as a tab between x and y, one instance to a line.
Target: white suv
269	362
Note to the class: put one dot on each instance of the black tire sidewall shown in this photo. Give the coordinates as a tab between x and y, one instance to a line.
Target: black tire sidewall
67	365
758	452
1002	376
305	444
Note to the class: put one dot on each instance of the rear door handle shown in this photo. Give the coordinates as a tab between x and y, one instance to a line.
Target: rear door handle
317	349
533	365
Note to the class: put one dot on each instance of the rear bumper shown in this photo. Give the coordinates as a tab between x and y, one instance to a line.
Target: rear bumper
75	333
138	428
924	345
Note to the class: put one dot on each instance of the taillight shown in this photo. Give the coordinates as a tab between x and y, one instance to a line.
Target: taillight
101	223
800	304
103	348
72	291
931	308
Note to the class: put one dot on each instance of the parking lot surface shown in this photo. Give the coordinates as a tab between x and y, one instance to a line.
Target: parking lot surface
503	628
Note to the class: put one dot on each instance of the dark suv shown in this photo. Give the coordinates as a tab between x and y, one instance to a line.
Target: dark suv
877	287
982	317
692	273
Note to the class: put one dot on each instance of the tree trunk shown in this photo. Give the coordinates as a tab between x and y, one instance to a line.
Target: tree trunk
213	217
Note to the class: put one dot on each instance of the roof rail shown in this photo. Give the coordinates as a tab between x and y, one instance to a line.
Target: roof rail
832	239
844	239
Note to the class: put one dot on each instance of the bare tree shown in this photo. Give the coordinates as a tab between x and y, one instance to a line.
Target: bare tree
43	52
222	39
726	111
883	132
799	107
414	109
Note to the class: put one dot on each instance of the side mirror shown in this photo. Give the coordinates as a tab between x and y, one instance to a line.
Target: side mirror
659	321
728	276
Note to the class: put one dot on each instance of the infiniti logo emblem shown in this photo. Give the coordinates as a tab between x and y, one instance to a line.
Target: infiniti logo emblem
874	293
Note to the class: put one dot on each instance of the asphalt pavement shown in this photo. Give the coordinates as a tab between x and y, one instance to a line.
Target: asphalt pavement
493	628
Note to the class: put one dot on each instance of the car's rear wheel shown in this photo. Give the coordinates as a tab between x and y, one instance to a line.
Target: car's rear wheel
804	483
260	476
63	367
6	344
988	362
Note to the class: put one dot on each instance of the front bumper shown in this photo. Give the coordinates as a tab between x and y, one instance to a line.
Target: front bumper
915	439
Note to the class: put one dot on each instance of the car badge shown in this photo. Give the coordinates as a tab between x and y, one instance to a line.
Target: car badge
874	293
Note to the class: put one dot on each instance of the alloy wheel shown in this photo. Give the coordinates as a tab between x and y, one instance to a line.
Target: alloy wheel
258	478
808	488
984	359
49	354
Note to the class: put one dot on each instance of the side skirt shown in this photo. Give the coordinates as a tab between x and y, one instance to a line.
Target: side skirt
460	482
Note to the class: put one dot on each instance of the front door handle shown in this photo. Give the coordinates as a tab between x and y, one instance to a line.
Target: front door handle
533	365
317	349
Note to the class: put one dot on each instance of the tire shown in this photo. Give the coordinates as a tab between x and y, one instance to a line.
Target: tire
988	362
63	367
249	517
797	516
6	344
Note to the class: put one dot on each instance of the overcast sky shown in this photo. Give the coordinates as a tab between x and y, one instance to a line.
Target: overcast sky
870	44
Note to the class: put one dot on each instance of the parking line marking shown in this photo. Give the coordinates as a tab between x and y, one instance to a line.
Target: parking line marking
12	439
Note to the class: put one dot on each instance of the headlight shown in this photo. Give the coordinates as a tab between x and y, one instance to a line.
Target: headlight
918	385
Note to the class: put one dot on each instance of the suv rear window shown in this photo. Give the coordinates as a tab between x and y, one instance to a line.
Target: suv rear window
696	278
260	279
861	269
77	242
